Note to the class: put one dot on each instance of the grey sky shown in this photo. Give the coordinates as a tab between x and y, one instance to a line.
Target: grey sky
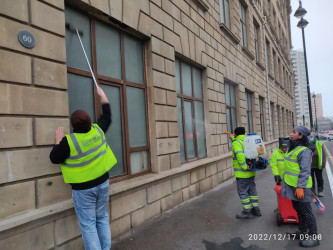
319	50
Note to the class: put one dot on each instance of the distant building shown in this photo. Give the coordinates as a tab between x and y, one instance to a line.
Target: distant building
317	105
324	124
301	93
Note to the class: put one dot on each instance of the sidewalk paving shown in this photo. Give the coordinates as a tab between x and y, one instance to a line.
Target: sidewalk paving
208	223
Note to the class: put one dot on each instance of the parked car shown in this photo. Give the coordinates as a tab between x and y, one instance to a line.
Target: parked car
330	136
326	137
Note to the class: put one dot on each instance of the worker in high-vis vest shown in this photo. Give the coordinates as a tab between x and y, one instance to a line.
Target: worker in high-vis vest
246	186
277	160
85	159
318	164
297	183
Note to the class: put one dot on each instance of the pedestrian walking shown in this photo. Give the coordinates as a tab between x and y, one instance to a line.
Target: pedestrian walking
246	186
317	165
277	160
297	183
85	160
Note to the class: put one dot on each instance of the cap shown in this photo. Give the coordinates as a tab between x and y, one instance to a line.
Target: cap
283	142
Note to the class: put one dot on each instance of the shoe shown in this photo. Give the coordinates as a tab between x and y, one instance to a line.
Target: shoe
320	194
309	242
245	215
256	212
296	235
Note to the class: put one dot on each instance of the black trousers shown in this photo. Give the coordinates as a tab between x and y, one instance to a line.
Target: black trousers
320	181
307	221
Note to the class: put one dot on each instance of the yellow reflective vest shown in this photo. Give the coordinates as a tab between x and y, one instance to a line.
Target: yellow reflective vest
292	169
277	162
90	156
319	146
238	156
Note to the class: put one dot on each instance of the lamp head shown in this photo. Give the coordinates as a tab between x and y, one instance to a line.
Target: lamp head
302	23
300	12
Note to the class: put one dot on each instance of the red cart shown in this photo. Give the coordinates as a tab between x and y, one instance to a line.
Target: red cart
286	213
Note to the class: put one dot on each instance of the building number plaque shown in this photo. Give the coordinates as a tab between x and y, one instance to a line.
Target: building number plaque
26	39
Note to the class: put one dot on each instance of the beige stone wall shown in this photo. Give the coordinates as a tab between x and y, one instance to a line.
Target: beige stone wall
34	102
36	209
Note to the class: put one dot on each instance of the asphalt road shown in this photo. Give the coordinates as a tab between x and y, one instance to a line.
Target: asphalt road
208	222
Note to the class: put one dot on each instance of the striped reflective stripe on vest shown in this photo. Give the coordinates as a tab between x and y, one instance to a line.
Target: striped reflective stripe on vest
90	151
293	174
280	159
86	162
242	170
288	158
238	152
78	148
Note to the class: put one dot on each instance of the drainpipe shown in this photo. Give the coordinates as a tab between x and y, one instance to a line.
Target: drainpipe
267	83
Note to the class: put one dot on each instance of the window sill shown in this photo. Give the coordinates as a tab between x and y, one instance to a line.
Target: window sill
229	33
248	53
126	185
203	5
260	65
271	76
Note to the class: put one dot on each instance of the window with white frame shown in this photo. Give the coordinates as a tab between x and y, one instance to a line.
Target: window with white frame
243	24
191	122
262	117
268	56
256	39
225	12
278	119
272	119
230	102
249	113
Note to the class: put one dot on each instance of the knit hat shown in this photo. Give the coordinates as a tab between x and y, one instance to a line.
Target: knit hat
81	121
283	142
239	131
302	130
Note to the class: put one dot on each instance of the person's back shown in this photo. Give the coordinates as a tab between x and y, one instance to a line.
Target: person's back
317	165
85	160
246	187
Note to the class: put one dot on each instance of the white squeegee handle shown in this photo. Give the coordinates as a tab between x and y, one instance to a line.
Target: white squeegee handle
78	35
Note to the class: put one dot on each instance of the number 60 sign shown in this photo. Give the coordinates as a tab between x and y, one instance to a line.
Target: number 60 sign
26	39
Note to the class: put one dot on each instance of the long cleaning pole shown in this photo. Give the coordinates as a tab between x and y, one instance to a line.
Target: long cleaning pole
78	35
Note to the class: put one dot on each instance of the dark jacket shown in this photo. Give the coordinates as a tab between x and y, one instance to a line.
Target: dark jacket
60	152
314	163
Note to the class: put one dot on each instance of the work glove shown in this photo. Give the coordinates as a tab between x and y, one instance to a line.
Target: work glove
277	179
299	193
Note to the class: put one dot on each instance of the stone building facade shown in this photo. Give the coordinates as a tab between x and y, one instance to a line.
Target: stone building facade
178	74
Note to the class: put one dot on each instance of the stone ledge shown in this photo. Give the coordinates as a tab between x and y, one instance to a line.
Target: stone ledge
35	214
203	5
229	33
129	184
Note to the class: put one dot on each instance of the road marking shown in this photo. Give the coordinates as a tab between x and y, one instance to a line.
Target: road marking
329	172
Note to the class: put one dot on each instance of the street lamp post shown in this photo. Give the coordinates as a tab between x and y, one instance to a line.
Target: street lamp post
300	13
315	106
